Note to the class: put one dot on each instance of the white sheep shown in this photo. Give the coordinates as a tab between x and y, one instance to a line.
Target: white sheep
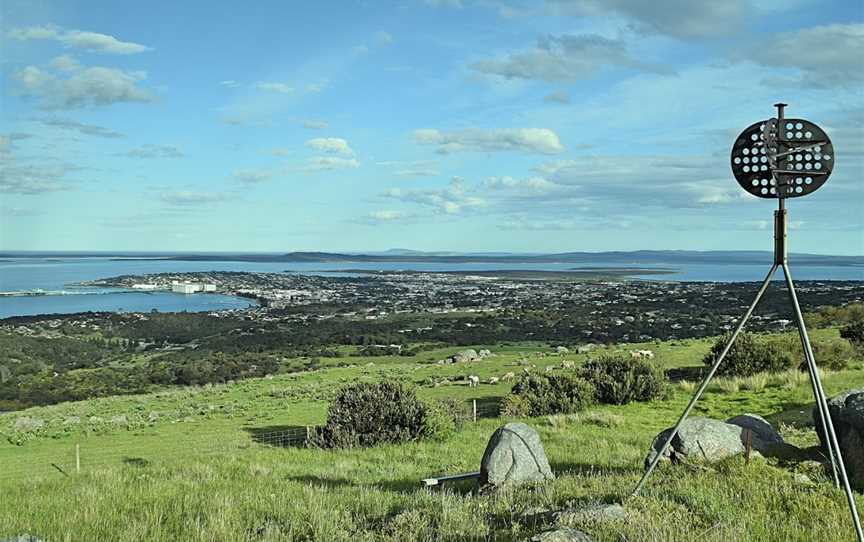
473	381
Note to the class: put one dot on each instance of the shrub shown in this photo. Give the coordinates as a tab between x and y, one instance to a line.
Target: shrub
618	380
438	423
748	356
854	333
366	414
542	394
831	353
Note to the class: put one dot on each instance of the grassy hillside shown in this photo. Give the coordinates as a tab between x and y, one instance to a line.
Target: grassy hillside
190	464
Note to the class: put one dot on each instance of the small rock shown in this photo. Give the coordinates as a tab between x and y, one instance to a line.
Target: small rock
120	419
72	420
514	455
803	479
561	534
26	423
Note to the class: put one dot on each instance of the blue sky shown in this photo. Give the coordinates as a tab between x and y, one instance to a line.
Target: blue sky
437	125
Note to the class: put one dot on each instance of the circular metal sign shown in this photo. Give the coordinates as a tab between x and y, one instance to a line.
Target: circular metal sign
785	158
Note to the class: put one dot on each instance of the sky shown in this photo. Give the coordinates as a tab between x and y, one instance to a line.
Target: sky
458	125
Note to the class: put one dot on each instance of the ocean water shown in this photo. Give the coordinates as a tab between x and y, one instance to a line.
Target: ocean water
56	277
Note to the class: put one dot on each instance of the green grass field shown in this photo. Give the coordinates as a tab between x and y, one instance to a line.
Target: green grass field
183	464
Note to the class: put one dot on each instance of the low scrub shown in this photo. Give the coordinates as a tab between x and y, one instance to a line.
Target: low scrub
366	414
552	393
749	355
619	380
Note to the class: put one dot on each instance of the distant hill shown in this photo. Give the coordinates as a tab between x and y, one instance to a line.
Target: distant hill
638	257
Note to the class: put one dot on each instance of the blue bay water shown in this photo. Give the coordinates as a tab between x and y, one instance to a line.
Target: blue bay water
58	275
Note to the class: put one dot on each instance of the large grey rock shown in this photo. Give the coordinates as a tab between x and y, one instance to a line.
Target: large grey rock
514	455
759	425
705	439
561	534
465	355
847	416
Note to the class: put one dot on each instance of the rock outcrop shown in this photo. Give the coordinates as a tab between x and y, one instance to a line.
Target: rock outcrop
709	440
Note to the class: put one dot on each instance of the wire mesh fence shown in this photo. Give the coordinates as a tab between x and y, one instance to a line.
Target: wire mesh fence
67	456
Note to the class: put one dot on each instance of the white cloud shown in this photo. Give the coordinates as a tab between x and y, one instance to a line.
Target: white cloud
557	97
565	58
230	83
30	179
280	151
315	124
65	63
335	145
96	86
280	88
191	197
378	217
451	200
685	19
86	129
79	39
455	4
532	184
538	140
154	151
323	163
252	176
825	56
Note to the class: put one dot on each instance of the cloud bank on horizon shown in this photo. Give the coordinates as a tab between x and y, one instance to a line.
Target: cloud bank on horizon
435	125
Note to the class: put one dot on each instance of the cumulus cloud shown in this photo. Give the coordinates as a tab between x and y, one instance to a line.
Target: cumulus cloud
324	163
335	145
230	83
825	56
557	97
280	88
535	140
191	197
532	184
96	86
451	200
65	63
684	19
154	151
93	42
565	58
252	176
85	129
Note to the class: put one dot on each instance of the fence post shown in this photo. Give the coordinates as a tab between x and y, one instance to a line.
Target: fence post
77	458
308	431
474	405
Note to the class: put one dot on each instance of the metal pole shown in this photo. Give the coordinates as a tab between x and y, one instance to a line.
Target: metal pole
705	381
78	459
828	426
780	259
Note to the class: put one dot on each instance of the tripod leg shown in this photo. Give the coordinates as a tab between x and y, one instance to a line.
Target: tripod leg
705	382
828	426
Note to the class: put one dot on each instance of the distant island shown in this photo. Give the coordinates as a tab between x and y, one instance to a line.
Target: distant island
637	257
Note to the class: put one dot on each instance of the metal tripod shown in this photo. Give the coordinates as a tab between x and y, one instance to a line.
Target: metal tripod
837	466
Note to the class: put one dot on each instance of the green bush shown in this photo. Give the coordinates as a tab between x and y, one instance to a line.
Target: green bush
618	380
366	414
749	355
539	395
831	353
439	422
854	333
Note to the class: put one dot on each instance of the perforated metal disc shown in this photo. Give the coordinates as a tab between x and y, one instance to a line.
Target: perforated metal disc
788	158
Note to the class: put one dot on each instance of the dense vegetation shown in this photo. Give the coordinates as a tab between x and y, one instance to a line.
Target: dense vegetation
557	393
370	413
619	380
